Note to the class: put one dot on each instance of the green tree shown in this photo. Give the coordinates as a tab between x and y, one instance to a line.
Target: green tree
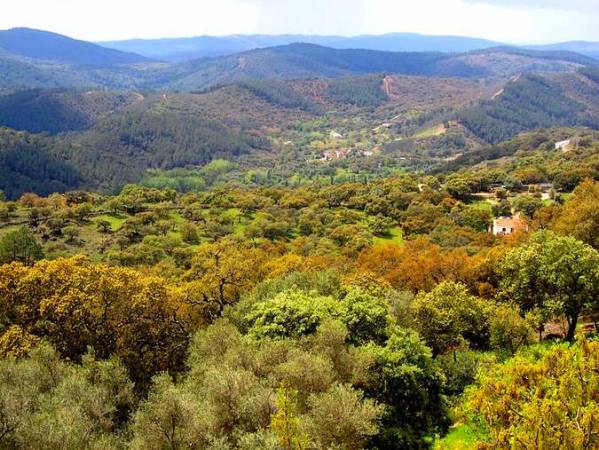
508	330
20	245
579	216
552	269
286	423
449	316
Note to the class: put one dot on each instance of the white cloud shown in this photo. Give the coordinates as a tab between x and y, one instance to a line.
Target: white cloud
568	5
502	20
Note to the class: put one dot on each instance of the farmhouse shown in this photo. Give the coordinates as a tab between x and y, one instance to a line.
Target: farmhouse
508	225
562	145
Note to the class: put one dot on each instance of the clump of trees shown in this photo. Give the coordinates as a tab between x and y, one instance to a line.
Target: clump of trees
542	398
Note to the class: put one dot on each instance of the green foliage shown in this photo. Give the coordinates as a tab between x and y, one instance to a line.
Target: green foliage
551	269
31	163
46	403
291	314
362	92
21	246
449	316
278	93
543	399
404	366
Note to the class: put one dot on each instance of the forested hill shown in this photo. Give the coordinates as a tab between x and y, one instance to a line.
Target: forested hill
34	163
59	110
532	101
301	61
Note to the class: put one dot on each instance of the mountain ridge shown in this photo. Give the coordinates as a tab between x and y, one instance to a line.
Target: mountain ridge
54	47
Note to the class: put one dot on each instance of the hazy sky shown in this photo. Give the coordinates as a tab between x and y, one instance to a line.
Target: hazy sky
515	21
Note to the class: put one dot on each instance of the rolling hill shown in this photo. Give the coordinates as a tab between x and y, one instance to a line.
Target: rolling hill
37	59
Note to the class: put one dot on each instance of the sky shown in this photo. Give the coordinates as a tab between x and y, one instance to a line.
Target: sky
510	21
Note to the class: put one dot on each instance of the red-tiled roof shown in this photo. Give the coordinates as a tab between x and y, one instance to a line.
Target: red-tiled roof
507	222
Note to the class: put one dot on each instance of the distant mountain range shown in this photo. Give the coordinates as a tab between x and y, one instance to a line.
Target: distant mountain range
185	49
38	59
583	47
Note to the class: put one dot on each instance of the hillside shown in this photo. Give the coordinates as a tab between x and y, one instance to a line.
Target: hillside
285	127
532	101
46	46
34	163
37	59
159	132
58	110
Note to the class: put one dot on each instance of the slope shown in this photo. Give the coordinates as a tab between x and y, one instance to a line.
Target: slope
58	110
533	101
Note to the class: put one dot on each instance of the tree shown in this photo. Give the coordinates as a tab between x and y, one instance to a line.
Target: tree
104	226
189	233
449	316
527	204
402	376
286	423
75	304
550	269
342	418
70	233
579	216
20	245
541	399
508	330
220	272
46	403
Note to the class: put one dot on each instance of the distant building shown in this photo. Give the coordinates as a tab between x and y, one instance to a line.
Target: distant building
562	145
507	225
329	155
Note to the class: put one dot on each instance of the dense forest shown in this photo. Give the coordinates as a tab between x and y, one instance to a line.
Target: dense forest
33	163
350	316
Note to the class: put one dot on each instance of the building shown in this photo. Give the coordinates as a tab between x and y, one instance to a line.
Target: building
330	155
507	225
562	145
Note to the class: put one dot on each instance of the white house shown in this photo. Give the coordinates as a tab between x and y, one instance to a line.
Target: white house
507	225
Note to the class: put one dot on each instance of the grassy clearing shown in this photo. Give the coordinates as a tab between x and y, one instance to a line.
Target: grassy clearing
461	437
483	204
437	130
395	236
116	221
